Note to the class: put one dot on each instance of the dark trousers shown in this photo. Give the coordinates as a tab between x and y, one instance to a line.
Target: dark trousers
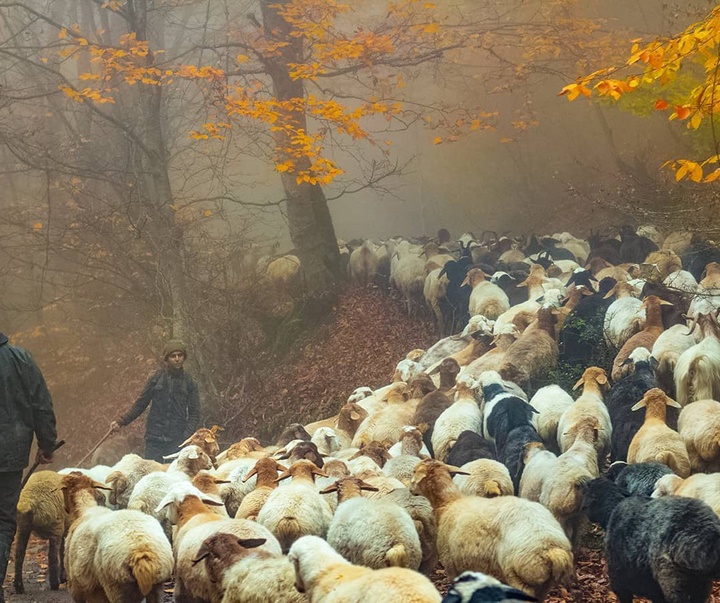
9	494
155	449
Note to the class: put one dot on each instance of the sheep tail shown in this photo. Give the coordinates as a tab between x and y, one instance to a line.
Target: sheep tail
561	564
287	531
492	488
397	556
144	569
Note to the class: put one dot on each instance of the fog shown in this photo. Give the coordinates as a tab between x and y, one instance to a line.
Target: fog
119	228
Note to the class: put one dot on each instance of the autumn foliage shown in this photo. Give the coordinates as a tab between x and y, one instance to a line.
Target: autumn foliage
696	49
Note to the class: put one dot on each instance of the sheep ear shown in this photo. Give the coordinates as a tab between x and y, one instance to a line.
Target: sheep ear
602	379
423	427
251	543
455	470
358	454
466	281
319	472
193	454
368	487
222	481
639	405
212	502
165	502
185	443
169	457
579	383
99	486
329	489
282	476
202	556
673	403
665	303
250	474
624	363
354	415
523	284
610	293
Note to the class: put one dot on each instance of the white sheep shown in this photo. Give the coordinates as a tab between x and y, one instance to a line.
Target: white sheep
297	509
190	510
387	423
434	290
326	440
550	402
327	577
375	533
697	373
464	414
409	279
120	555
681	280
127	472
486	299
517	540
624	317
363	263
699	427
666	351
150	490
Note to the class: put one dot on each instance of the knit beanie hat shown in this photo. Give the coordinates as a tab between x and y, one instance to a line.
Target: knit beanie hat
174	345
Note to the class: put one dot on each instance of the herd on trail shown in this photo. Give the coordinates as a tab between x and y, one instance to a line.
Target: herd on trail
472	457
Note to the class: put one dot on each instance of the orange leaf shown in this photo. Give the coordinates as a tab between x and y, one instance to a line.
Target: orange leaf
431	28
682	112
438	140
661	104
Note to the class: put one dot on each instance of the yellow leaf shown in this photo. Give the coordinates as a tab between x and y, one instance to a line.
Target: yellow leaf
713	176
695	121
696	173
438	140
62	33
682	171
207	213
242	58
431	28
37	226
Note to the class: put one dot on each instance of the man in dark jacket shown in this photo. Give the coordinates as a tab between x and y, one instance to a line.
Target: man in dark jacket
175	411
25	409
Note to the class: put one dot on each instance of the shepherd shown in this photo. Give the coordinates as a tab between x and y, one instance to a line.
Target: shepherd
25	409
172	395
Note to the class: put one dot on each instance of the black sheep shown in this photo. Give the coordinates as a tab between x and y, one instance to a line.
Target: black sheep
700	253
634	248
513	453
619	401
638	479
505	415
509	284
555	252
665	549
469	446
457	295
582	333
607	249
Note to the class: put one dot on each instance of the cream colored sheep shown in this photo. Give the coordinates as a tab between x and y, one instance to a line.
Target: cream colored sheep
517	540
297	509
126	473
326	577
485	478
703	486
266	471
375	533
387	424
699	427
550	402
589	405
40	511
112	555
655	441
240	572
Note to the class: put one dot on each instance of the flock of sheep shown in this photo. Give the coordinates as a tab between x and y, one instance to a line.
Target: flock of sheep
453	462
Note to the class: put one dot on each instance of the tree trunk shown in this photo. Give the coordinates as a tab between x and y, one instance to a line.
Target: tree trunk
310	224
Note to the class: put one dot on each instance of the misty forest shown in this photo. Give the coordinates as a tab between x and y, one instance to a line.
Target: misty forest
456	261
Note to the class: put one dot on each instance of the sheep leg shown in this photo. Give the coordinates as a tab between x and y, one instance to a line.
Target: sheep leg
23	535
624	596
53	562
156	595
63	573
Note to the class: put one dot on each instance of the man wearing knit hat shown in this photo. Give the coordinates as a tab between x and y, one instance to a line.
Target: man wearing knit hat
174	403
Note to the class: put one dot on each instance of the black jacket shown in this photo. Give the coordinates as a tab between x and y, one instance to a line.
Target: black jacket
175	411
25	407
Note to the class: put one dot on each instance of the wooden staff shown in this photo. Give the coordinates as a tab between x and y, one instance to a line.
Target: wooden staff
94	448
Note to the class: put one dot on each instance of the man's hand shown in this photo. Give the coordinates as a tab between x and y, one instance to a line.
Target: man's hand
44	458
115	426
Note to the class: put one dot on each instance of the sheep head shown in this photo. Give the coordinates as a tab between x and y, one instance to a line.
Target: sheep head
474	277
302	470
667	485
350	417
304	450
433	480
421	385
266	470
397	393
415	354
79	492
205	439
222	550
349	487
594	378
294	431
360	394
377	451
655	399
406	370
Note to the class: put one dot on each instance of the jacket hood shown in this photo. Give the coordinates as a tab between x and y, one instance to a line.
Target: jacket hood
3	339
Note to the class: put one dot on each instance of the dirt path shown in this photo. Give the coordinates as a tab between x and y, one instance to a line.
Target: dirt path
37	587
